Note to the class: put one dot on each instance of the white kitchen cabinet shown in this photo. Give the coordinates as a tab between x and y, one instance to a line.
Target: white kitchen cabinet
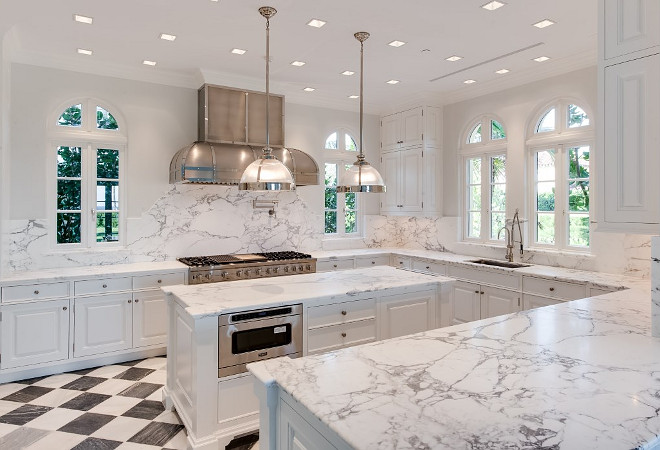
372	261
531	301
149	318
402	129
103	324
419	265
34	292
465	303
328	265
630	26
34	333
561	290
295	433
594	291
498	302
400	315
401	262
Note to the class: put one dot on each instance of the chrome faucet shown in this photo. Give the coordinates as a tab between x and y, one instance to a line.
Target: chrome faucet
509	237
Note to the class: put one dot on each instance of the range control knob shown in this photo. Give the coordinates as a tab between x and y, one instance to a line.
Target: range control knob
207	276
309	267
224	274
300	268
276	269
239	273
257	271
268	270
286	268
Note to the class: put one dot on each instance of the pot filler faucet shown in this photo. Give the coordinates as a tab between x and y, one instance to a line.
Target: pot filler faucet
509	237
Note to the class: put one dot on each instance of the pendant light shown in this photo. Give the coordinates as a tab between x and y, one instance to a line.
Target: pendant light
361	176
267	173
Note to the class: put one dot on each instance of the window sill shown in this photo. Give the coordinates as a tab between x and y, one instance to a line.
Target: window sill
536	250
86	250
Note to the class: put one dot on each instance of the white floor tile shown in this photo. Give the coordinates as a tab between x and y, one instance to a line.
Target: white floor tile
121	428
55	398
152	363
55	418
180	441
6	406
115	406
57	440
156	396
107	371
111	386
133	446
168	417
6	428
10	388
157	377
57	381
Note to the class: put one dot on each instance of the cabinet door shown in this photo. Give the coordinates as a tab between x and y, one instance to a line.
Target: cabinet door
412	127
631	25
389	132
390	171
465	302
295	433
400	315
102	324
411	168
631	186
498	302
149	318
34	333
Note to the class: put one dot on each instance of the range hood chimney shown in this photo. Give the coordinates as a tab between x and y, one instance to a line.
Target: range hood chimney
232	135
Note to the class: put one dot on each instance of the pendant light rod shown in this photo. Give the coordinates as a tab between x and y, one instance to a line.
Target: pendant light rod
267	12
361	36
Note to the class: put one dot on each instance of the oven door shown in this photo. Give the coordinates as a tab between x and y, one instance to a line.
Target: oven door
245	342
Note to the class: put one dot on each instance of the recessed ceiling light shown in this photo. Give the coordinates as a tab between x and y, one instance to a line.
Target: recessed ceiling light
298	63
541	59
215	0
544	23
470	81
316	23
167	37
238	51
353	96
502	71
146	62
83	51
454	58
348	72
492	6
309	89
396	43
83	19
393	82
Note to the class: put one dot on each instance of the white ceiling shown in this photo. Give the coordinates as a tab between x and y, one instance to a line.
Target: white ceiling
126	32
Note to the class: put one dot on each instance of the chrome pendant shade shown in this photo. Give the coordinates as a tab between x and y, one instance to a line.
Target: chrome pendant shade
267	173
361	176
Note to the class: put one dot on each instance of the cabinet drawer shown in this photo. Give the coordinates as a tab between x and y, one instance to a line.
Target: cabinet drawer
600	291
534	301
157	280
380	260
343	335
510	281
103	285
554	289
326	315
428	267
334	264
35	291
401	262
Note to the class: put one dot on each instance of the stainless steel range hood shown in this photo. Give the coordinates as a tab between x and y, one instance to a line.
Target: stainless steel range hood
232	135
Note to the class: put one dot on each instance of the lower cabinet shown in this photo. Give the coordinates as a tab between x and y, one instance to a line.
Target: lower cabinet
149	318
399	315
471	301
498	302
296	434
103	324
34	333
535	301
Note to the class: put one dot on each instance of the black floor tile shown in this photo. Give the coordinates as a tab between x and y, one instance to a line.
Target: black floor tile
86	424
130	363
146	409
84	383
31	380
84	371
134	374
85	401
24	414
27	394
156	433
97	444
244	442
140	390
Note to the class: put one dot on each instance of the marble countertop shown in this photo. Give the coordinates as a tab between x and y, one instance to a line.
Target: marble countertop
582	374
203	300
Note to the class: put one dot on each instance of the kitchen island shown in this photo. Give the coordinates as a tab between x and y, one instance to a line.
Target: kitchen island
582	374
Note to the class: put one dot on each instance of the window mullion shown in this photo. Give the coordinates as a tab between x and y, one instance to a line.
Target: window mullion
562	196
486	201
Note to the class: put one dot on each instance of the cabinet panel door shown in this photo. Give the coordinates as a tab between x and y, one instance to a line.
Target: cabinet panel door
390	171
412	127
34	333
631	25
295	433
389	132
401	315
412	168
498	302
465	302
631	185
149	318
102	324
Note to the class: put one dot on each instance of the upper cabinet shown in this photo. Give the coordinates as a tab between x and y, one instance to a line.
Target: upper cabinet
629	110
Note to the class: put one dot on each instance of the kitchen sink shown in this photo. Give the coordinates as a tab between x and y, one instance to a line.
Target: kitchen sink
491	262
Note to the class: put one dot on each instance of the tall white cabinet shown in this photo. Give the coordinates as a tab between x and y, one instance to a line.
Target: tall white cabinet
628	116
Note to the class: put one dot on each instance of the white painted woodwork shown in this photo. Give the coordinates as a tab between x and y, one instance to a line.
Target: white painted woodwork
102	286
433	127
531	301
465	302
149	318
236	399
370	261
410	179
390	173
419	265
328	265
31	292
592	291
553	289
480	276
340	313
401	315
631	25
103	324
295	433
325	339
498	302
34	333
402	262
412	127
389	132
158	280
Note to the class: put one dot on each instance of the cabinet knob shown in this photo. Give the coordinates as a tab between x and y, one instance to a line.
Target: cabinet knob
428	267
64	308
552	289
130	301
334	265
400	262
159	281
36	292
373	262
343	313
476	292
105	286
137	300
482	292
343	335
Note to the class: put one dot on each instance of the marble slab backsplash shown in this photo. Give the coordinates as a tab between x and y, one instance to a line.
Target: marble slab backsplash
187	220
655	286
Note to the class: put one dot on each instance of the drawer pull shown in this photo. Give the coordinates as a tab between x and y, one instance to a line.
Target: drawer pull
476	292
130	301
334	265
428	267
105	286
343	313
552	289
36	292
64	308
159	281
373	262
137	300
343	335
482	292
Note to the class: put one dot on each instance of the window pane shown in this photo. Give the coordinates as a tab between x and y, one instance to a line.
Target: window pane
578	230
68	195
71	117
351	200
496	224
331	221
107	195
498	197
474	203
578	196
545	165
577	117
330	174
498	169
545	196
107	227
68	162
351	146
578	162
474	224
474	171
496	130
351	222
331	142
107	163
68	228
330	198
105	120
545	228
475	134
547	122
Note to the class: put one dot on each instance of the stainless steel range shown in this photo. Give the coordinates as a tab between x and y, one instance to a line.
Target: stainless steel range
212	269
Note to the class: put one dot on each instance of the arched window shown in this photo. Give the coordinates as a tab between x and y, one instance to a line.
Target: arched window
341	210
483	166
560	143
87	191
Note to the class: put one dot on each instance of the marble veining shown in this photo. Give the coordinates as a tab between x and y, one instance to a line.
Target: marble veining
581	374
655	286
